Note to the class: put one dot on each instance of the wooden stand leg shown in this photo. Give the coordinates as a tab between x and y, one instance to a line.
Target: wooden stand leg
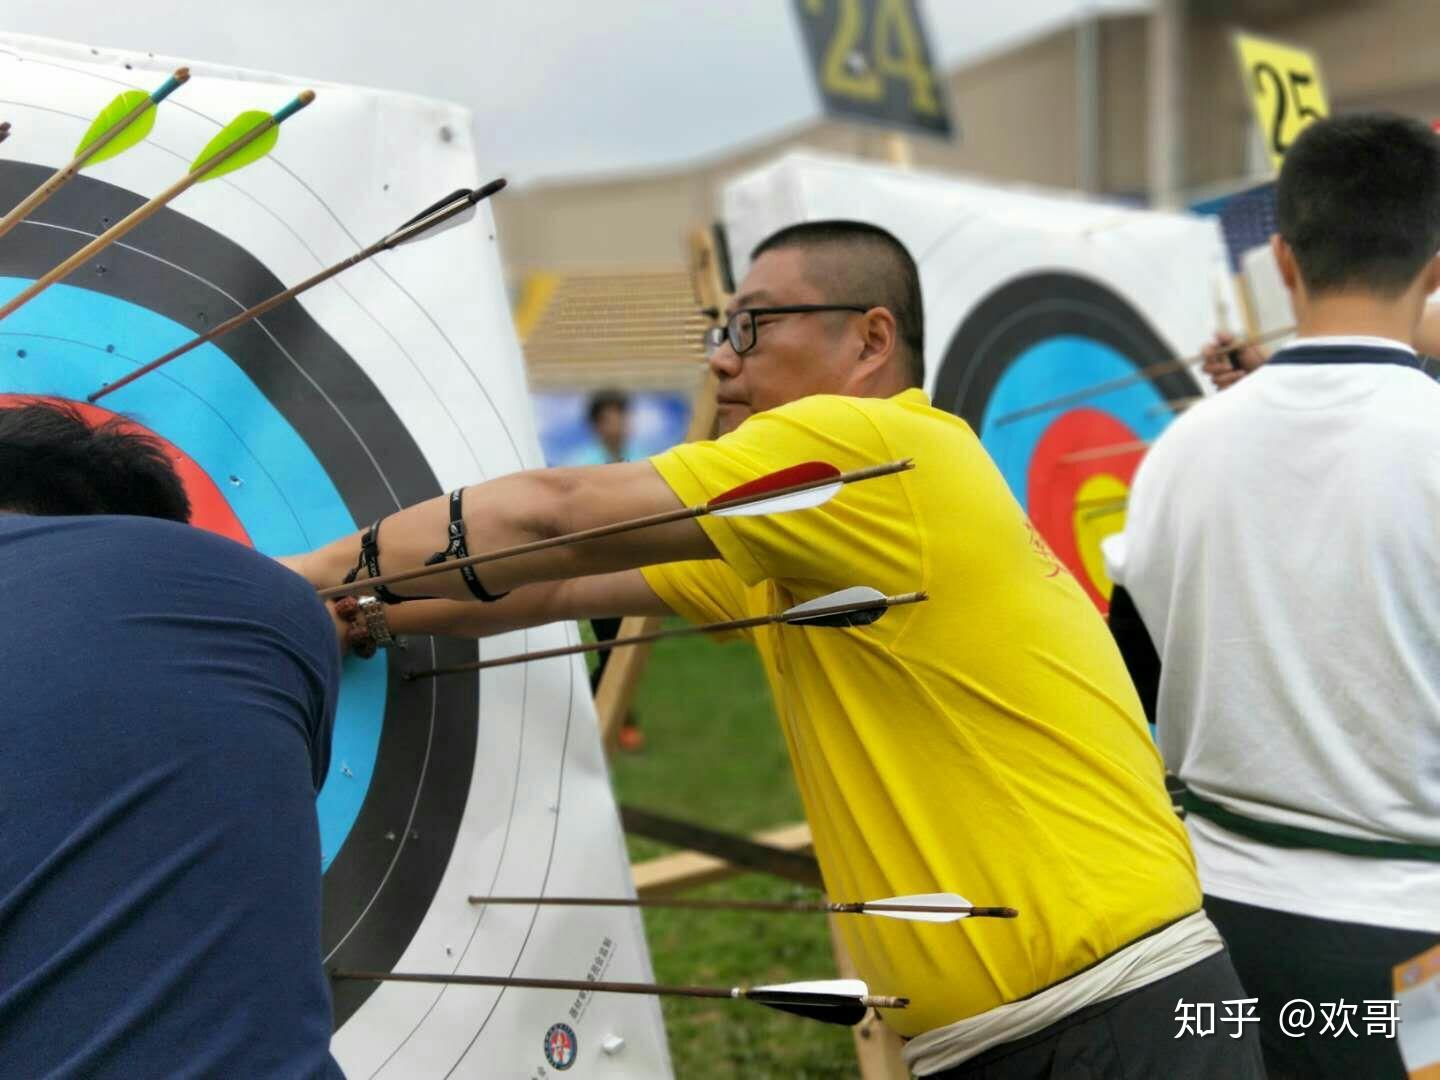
877	1048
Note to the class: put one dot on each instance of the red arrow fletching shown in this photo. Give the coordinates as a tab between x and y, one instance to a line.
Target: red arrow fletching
805	473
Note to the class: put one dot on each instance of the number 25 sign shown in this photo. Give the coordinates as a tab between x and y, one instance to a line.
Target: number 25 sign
1284	84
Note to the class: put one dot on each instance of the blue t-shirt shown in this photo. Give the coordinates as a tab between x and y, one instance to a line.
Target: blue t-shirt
166	704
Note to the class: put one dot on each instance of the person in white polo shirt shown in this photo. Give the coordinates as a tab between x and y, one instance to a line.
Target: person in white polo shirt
1278	602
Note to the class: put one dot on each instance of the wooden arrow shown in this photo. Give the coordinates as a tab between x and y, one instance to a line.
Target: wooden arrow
831	1001
858	606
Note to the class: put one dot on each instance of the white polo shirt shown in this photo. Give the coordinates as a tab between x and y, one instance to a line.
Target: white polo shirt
1282	545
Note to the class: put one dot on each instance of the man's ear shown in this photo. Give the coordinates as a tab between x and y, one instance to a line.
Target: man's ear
1431	275
879	337
1285	260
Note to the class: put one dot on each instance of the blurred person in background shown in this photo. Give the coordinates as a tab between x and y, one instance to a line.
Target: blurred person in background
608	413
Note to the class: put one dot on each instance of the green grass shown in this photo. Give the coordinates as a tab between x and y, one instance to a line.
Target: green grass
715	756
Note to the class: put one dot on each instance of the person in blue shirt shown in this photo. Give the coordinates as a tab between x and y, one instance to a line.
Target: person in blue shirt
169	698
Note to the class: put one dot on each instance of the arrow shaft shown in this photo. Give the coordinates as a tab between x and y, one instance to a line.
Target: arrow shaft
221	329
1145	374
798	907
658	635
536	984
596	646
599	986
785	907
133	219
613	529
1093	453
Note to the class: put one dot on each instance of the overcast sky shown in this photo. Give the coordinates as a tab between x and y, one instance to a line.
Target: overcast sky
557	87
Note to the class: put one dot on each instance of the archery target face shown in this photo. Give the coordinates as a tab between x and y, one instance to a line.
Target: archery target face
384	387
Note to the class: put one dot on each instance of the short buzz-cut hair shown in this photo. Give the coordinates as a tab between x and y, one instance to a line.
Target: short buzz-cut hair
1358	202
853	262
53	462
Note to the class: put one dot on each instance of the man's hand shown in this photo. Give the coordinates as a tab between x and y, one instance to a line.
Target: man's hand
350	632
1226	364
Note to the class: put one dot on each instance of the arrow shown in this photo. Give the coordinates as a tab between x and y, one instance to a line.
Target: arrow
455	209
1145	374
831	1001
926	907
1091	453
1110	509
799	487
126	121
858	606
246	139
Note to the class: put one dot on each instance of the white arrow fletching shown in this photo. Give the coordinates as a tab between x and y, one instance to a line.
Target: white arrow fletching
939	899
840	987
781	504
856	594
423	228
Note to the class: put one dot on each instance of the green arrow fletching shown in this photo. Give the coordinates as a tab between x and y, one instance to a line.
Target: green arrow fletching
237	129
112	114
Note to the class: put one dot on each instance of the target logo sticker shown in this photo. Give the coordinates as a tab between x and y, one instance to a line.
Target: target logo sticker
561	1046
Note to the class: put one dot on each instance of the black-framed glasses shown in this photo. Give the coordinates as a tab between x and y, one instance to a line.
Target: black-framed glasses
740	329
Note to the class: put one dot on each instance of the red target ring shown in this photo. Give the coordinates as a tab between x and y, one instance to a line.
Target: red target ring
1072	496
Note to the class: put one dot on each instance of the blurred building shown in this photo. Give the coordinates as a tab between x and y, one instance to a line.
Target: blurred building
1145	108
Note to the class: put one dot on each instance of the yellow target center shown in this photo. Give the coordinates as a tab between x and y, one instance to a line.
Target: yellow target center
1099	512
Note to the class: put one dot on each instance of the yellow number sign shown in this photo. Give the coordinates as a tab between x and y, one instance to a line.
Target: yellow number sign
1284	83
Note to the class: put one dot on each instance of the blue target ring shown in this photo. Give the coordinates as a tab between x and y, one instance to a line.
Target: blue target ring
1052	368
270	477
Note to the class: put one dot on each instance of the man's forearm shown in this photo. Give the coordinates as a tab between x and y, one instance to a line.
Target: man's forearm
532	605
624	593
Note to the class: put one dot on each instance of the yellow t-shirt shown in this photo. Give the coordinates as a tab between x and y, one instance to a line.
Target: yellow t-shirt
987	741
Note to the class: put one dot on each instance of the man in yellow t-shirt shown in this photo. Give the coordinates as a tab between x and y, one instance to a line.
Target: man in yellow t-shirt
987	742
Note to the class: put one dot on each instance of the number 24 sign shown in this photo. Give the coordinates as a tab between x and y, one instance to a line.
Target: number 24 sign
872	62
1284	84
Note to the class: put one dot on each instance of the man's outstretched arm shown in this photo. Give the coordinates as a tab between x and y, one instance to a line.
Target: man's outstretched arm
517	509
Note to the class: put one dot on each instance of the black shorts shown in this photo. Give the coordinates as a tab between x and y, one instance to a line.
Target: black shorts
1133	1037
1282	957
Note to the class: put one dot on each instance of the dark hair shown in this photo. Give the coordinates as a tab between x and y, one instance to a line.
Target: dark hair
607	399
53	462
1359	202
862	264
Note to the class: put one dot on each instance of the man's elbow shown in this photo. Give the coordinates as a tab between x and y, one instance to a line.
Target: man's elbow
543	508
